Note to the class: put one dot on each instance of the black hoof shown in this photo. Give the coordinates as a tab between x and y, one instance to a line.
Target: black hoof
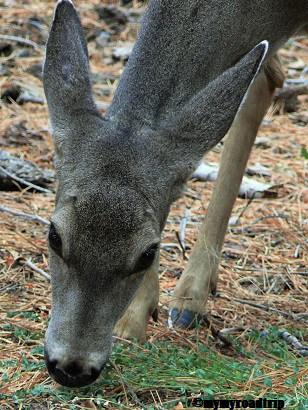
186	319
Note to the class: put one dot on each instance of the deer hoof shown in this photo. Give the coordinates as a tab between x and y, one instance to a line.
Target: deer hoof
184	319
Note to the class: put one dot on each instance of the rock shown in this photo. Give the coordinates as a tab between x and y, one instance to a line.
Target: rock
122	53
23	169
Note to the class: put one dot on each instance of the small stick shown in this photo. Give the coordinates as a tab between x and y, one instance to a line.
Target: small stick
20	40
269	309
24	182
169	245
297	317
263	218
121	378
121	339
129	388
243	211
181	236
36	269
216	333
289	92
181	245
230	330
299	273
20	214
183	225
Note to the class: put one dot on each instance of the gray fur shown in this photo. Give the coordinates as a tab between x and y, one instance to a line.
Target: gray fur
190	69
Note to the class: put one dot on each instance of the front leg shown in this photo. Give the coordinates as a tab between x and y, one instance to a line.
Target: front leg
133	324
201	274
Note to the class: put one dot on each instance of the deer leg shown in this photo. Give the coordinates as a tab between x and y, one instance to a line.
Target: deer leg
133	324
200	276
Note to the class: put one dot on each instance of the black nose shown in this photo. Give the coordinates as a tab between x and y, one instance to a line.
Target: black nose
72	374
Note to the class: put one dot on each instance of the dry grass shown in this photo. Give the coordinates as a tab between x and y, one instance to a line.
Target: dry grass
268	247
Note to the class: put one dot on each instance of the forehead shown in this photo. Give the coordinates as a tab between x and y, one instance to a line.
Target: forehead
108	223
111	208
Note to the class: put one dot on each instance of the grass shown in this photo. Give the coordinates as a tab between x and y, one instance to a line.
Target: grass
165	372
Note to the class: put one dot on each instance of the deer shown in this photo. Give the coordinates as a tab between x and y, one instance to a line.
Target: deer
199	70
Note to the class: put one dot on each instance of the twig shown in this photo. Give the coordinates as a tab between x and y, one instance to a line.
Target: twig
181	245
20	214
270	309
36	269
236	222
289	92
20	40
299	45
24	182
299	273
260	270
183	224
217	334
240	268
121	339
263	218
231	330
297	317
170	245
129	388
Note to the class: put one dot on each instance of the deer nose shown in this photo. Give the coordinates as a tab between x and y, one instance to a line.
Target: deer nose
71	374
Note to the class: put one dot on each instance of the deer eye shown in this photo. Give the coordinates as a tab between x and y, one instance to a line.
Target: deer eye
54	238
147	258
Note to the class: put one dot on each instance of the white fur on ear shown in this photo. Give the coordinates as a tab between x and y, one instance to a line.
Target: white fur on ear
65	1
59	3
265	43
266	47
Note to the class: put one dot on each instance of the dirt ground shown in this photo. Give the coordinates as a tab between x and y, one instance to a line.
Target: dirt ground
265	255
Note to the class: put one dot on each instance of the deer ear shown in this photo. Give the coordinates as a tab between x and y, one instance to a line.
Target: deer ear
66	70
207	117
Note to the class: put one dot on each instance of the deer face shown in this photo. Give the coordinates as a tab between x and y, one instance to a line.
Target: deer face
100	245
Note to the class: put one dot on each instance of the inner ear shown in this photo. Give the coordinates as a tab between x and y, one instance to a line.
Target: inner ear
207	117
